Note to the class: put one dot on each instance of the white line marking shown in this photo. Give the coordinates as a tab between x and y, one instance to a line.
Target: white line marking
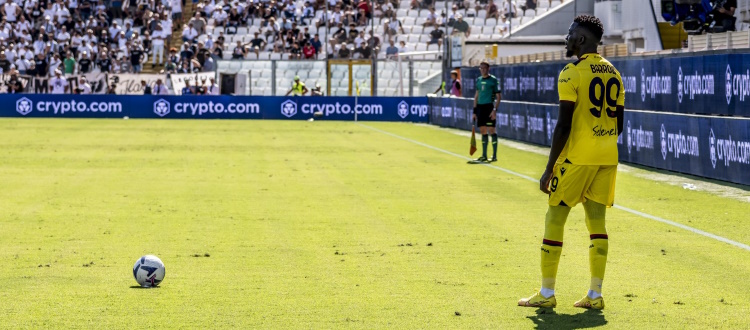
623	208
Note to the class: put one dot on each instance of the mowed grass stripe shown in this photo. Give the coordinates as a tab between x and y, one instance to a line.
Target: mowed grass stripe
708	213
272	202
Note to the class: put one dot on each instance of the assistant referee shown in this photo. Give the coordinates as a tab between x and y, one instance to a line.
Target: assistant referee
486	101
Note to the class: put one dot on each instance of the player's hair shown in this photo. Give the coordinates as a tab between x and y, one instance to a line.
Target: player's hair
485	63
592	24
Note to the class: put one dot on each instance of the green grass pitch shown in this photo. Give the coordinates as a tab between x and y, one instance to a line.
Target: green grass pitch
281	224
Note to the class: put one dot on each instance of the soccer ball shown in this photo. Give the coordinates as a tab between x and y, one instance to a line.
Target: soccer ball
148	271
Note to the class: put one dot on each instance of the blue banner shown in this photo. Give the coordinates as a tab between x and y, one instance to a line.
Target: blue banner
412	109
703	84
712	147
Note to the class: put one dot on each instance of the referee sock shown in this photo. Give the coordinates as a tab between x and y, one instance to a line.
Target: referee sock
494	145
485	139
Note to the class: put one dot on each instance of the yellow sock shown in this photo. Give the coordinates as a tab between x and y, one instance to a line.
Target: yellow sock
595	214
552	244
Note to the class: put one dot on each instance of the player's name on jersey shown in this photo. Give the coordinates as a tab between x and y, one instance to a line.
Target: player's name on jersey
602	68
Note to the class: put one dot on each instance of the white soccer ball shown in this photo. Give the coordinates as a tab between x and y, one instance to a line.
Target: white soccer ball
148	271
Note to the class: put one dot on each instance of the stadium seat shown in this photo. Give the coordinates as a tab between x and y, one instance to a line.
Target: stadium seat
514	22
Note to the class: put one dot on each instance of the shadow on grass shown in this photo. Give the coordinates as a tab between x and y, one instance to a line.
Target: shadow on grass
141	287
546	318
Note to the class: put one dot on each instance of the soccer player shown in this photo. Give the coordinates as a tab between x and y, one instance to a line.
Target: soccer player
486	101
583	160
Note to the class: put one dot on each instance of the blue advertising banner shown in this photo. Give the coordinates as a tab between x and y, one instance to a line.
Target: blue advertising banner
703	84
412	109
712	147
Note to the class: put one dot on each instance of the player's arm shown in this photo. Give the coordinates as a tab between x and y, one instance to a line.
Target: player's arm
567	88
304	90
559	139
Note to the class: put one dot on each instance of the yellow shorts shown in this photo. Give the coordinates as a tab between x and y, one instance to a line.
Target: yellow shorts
573	184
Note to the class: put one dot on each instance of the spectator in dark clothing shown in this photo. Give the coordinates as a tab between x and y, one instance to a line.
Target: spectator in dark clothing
187	52
724	17
258	44
436	37
84	64
104	62
146	88
40	66
316	43
136	59
530	4
4	63
344	52
14	85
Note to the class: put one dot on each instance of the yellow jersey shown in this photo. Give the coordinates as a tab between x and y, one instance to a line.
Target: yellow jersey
596	88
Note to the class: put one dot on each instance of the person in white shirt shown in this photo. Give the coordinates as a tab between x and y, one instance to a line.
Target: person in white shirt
115	29
22	64
54	64
213	89
159	88
62	15
84	86
63	36
58	84
12	11
166	27
90	37
25	36
22	24
10	53
176	11
122	42
209	7
39	45
157	45
189	33
220	17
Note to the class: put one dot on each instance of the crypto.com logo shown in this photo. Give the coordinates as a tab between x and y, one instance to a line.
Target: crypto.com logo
728	84
629	137
643	85
663	135
403	109
679	85
712	147
288	108
161	107
24	106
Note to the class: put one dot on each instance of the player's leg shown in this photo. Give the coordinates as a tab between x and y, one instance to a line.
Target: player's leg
493	135
484	126
485	139
554	228
600	194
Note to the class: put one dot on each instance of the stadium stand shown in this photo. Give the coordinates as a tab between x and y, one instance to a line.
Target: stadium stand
125	36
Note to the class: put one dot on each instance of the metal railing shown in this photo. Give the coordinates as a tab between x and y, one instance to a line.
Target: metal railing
274	77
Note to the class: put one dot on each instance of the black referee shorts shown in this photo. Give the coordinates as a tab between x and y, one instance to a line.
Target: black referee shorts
483	115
